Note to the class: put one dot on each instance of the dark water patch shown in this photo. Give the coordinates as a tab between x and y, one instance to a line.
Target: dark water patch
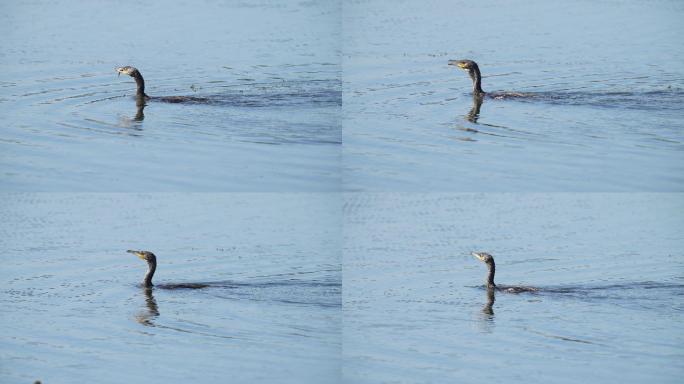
281	94
602	291
559	337
310	293
660	100
304	292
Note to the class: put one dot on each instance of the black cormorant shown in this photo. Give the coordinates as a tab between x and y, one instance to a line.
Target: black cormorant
491	266
474	71
142	97
151	260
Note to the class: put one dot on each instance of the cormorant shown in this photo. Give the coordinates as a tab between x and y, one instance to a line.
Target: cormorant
142	97
151	260
491	266
474	71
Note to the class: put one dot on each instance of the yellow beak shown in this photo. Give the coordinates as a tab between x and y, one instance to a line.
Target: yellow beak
140	255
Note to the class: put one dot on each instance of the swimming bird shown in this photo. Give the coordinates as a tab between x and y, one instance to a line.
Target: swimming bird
474	72
151	260
142	97
491	266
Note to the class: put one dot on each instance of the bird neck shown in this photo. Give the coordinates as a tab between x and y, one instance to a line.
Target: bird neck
490	276
141	84
477	81
491	298
147	281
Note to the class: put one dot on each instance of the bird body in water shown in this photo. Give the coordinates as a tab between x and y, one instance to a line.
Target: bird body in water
474	72
491	266
142	97
151	260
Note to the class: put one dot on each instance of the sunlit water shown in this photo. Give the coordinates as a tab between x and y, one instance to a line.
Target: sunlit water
270	72
607	80
73	308
610	270
329	96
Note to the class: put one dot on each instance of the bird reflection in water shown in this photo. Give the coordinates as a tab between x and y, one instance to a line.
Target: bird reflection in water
140	104
139	114
474	112
146	317
488	308
135	122
485	317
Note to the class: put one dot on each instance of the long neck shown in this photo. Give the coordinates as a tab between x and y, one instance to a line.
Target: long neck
152	266
477	80
141	84
490	275
491	298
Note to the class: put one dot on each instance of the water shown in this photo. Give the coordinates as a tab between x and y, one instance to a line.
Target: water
610	268
69	124
328	185
73	307
609	80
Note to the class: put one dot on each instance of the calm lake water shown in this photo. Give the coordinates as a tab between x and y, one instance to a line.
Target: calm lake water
73	308
610	268
607	116
271	69
329	182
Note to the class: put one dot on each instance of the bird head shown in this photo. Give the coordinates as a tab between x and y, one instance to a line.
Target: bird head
483	257
127	70
145	255
466	65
